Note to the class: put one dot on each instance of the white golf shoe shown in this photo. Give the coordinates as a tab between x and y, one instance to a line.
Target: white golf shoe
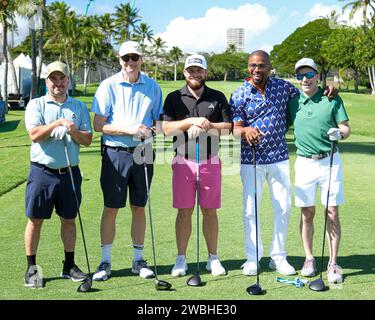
215	267
249	268
282	266
140	267
103	271
180	268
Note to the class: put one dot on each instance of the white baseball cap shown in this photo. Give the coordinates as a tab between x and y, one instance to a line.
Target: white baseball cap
195	60
129	47
306	62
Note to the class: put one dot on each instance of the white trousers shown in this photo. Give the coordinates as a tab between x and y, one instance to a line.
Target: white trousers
278	180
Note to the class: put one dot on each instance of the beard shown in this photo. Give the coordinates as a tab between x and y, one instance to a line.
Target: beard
195	84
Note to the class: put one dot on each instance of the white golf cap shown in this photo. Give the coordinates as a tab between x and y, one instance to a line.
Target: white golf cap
306	62
129	47
196	60
57	66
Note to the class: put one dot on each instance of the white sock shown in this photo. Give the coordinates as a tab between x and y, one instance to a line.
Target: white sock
106	252
213	256
137	252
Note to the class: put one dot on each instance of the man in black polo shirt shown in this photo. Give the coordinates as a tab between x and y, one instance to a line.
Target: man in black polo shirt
196	111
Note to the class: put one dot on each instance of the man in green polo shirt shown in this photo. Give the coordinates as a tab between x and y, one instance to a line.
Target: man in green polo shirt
317	121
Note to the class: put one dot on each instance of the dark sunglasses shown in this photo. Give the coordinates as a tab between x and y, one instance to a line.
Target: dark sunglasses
307	75
260	66
127	57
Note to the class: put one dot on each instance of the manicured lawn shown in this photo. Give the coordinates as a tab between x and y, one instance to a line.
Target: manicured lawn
356	252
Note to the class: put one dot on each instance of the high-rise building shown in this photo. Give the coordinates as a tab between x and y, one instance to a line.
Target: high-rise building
236	36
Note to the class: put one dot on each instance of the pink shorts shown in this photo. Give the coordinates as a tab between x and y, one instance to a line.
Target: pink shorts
184	183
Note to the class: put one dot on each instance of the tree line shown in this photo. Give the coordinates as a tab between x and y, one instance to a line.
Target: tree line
348	52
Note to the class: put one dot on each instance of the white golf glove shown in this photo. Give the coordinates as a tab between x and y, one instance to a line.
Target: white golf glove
59	132
334	134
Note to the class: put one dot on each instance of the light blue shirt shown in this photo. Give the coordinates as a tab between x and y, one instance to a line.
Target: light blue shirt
42	111
127	104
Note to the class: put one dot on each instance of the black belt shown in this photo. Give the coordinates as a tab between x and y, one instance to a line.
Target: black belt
59	171
127	149
316	156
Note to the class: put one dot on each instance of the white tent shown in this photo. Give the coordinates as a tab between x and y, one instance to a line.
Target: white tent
23	67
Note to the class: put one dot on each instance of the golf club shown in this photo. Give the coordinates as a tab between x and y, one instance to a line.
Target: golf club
87	282
195	280
159	284
318	284
255	289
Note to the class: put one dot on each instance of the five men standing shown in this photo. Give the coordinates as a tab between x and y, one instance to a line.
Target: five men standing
127	106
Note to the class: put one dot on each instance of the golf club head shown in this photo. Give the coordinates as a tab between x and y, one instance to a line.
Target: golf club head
318	285
162	285
255	290
86	285
195	281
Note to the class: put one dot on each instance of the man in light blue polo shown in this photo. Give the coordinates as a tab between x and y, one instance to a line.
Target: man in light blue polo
126	107
49	120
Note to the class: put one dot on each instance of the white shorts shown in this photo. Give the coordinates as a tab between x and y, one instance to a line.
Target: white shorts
309	174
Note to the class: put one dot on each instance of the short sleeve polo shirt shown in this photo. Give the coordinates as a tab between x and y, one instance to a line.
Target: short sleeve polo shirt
212	105
312	118
267	113
43	111
127	104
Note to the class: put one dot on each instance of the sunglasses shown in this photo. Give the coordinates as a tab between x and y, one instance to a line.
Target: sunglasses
307	75
260	66
127	57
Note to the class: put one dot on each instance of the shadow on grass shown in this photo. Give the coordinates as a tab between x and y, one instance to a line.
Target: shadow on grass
75	284
9	126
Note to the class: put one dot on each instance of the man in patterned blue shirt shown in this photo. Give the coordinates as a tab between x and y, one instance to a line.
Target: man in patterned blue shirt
259	113
259	109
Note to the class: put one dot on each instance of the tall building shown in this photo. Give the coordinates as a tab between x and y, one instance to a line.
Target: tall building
236	36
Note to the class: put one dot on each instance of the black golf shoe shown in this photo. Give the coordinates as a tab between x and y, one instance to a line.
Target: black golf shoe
74	273
33	278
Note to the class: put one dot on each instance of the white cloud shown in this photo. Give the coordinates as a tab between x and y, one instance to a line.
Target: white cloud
209	33
319	10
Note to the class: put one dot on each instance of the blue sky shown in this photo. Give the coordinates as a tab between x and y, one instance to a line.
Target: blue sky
200	25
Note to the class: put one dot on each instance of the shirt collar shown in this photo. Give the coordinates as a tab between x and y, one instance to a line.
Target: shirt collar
50	100
254	90
316	97
185	91
120	78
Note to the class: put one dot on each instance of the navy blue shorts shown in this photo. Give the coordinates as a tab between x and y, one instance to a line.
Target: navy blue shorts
120	172
47	189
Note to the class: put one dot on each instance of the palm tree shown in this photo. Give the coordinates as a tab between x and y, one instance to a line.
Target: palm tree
158	50
107	25
7	11
142	34
126	18
358	5
66	21
175	53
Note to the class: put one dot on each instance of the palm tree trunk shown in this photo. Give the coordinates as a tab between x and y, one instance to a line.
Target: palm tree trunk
33	64
15	86
5	80
356	81
175	71
156	68
40	55
371	74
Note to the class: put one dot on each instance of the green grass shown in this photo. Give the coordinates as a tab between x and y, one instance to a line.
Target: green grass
356	254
